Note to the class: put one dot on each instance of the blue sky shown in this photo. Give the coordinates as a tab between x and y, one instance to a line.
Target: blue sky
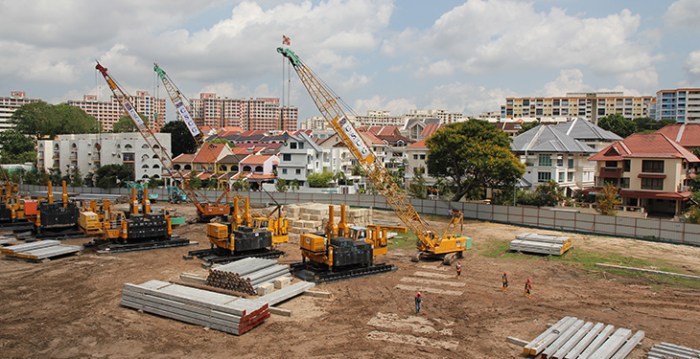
461	56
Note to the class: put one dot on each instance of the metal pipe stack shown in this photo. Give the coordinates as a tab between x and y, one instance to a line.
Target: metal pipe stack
246	274
668	350
540	244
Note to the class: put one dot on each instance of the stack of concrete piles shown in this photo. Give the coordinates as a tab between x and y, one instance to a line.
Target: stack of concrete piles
249	275
668	350
40	250
540	244
572	338
311	217
222	312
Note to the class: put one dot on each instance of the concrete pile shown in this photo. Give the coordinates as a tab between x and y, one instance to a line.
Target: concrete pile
572	338
668	350
540	244
40	250
222	312
311	217
249	275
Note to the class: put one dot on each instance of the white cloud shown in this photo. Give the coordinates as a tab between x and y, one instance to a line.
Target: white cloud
466	98
489	36
570	80
397	106
692	63
683	13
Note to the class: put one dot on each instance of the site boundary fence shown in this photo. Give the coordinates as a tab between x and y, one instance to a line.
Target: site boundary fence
571	220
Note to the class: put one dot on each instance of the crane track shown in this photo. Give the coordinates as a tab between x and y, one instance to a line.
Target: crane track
323	275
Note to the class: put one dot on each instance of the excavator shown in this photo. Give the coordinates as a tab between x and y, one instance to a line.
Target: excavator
140	229
448	246
278	225
343	251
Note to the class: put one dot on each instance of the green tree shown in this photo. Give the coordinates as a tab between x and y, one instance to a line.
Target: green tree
40	119
357	170
320	180
340	178
126	124
527	126
111	176
474	155
294	185
608	200
281	185
416	186
33	119
617	124
16	147
76	178
222	140
180	138
240	185
89	179
549	194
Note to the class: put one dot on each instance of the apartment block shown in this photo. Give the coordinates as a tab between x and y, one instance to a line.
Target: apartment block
249	114
590	106
9	104
109	112
680	105
88	152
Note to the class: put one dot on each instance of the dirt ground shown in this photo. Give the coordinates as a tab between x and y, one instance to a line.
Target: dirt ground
69	308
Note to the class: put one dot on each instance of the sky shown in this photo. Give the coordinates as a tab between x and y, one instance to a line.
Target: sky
460	56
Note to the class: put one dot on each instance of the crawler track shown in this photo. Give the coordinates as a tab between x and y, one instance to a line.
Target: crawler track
321	275
109	248
212	256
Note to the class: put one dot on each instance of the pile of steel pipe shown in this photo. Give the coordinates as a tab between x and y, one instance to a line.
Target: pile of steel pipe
540	244
668	350
246	274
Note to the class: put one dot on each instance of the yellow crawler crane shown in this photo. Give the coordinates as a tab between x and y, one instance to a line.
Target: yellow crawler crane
449	246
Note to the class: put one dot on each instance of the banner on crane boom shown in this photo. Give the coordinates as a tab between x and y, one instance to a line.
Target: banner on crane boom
134	116
182	111
355	138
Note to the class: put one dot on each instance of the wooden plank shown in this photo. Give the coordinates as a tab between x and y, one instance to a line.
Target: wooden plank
318	293
280	311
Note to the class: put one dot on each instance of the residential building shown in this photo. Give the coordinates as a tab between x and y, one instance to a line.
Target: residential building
256	170
340	158
8	106
88	152
591	106
442	115
651	170
108	113
248	114
420	128
552	155
315	123
587	133
378	118
416	157
686	134
680	105
301	156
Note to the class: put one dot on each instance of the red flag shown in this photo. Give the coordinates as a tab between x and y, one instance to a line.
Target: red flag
286	41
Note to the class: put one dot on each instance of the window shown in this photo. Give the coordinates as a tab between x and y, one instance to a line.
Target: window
626	164
545	160
653	166
561	177
611	164
415	157
571	163
301	145
544	176
422	157
286	157
293	145
258	168
570	177
625	182
284	171
298	171
560	161
246	168
653	183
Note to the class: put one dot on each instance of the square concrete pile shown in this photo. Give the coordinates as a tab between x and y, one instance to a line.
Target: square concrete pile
312	217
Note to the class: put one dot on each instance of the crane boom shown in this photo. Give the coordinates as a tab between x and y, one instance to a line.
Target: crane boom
180	102
327	103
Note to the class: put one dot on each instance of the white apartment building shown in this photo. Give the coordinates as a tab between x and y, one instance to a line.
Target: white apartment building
316	123
8	106
88	152
108	113
444	116
591	106
416	157
378	118
300	156
680	105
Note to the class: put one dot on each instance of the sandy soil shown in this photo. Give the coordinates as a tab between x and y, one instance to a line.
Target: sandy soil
69	308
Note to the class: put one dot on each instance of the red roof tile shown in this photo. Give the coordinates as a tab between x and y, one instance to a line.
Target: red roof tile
418	145
255	160
648	145
184	158
689	133
209	152
430	129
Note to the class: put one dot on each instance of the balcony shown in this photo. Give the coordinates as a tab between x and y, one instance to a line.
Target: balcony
610	172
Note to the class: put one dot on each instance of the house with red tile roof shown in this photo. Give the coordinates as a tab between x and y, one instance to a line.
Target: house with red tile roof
257	169
686	134
208	155
651	170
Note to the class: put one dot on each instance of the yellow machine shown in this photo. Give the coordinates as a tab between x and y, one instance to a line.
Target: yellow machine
449	246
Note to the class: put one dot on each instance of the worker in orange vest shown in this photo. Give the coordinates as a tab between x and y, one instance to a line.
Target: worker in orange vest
528	287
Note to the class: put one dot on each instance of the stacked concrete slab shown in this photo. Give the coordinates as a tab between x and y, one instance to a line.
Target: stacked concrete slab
668	350
39	250
312	217
222	312
249	275
540	244
572	338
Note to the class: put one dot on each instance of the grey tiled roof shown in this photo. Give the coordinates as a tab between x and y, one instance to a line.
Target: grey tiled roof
546	138
582	129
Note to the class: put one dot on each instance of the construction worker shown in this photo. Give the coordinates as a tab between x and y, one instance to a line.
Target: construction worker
419	301
459	269
504	279
528	287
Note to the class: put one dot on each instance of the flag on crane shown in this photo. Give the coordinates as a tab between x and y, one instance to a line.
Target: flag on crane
286	41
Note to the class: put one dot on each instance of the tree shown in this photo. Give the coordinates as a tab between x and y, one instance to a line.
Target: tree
180	138
89	179
222	140
126	124
617	124
340	178
527	126
240	185
416	186
76	178
320	180
16	147
475	156
608	200
40	119
281	185
294	186
648	124
549	194
111	176
357	170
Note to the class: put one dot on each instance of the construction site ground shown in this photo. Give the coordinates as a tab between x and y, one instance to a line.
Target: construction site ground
69	308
